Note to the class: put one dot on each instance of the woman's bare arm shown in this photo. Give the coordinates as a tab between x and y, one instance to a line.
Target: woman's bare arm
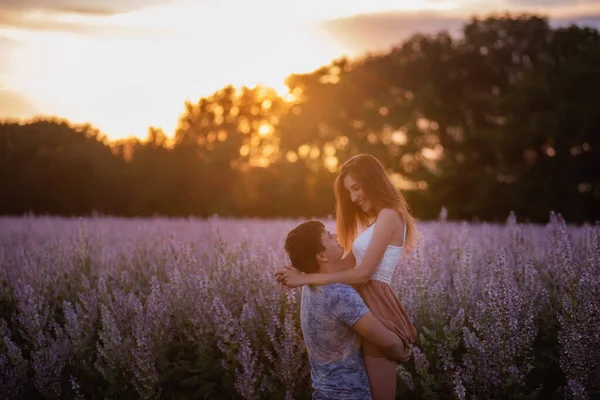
387	222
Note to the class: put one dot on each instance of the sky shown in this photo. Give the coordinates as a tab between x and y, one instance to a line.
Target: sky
125	65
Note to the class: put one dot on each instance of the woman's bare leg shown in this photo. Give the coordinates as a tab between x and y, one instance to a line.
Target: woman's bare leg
381	372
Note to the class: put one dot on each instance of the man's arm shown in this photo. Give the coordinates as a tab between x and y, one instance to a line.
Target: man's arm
347	306
370	328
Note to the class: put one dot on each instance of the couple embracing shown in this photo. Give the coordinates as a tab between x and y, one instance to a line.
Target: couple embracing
355	329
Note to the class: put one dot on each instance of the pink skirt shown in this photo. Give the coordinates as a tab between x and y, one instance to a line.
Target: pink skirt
386	306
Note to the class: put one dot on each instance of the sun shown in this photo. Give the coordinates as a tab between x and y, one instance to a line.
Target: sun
137	69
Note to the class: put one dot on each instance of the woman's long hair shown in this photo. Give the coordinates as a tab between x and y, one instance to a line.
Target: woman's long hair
380	191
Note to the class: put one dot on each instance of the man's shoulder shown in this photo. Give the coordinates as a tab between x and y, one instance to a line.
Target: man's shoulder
338	288
332	288
328	295
341	293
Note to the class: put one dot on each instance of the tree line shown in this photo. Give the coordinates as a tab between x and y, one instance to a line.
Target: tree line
503	118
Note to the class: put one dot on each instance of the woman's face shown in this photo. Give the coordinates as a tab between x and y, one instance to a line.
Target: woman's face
357	194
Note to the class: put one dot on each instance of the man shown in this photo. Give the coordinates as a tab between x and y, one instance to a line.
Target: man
334	317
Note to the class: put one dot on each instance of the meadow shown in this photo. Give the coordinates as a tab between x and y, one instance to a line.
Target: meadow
154	308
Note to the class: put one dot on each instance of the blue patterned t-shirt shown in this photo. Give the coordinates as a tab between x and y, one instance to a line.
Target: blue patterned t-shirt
337	367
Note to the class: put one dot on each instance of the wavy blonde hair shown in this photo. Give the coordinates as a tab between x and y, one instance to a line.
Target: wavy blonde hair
379	189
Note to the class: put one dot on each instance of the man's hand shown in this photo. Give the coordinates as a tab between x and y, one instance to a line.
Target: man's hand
370	328
397	353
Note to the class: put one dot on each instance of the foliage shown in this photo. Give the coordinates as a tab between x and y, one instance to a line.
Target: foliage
501	119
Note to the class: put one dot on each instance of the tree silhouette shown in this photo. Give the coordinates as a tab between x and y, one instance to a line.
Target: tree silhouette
503	118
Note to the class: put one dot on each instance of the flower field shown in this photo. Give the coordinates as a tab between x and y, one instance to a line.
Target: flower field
188	309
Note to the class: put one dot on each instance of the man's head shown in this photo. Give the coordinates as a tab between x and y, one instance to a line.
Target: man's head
310	247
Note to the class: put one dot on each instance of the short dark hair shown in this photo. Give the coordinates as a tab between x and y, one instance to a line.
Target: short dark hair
303	243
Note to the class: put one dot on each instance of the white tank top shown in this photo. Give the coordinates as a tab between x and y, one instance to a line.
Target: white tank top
389	261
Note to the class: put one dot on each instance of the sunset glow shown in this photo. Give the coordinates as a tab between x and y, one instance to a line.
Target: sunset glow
127	71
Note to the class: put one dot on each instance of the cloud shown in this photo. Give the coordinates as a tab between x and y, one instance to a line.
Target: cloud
48	23
74	16
592	21
382	31
6	42
7	45
90	7
15	105
552	3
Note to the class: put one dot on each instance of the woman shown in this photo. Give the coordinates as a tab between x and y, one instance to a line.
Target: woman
367	199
